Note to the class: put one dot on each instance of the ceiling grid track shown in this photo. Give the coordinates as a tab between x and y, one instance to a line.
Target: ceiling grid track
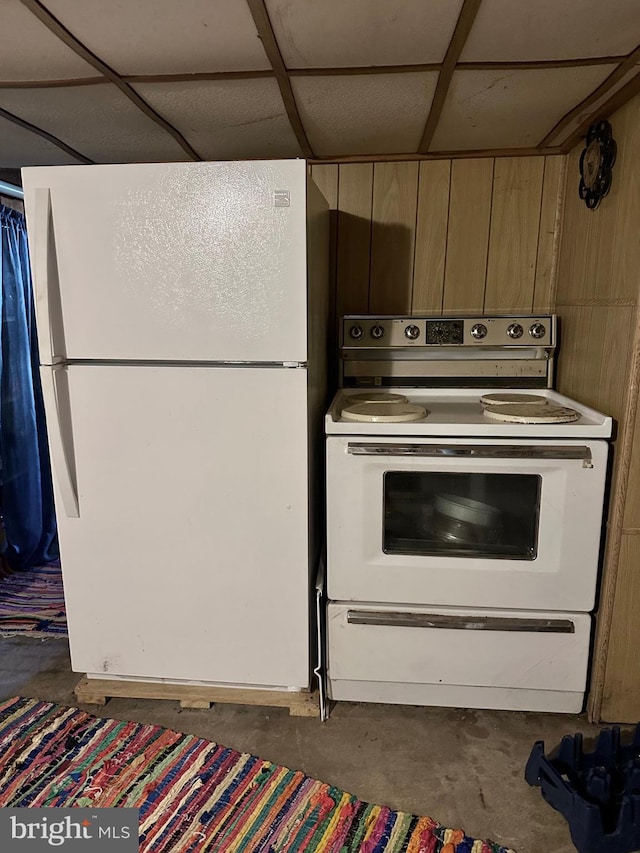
617	100
539	64
466	18
350	71
52	84
267	36
197	76
359	70
485	65
464	154
628	63
54	25
48	136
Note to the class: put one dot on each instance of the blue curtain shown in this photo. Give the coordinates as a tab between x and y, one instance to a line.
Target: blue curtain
27	495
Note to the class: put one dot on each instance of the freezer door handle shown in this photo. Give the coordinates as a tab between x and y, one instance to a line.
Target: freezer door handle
466	623
56	397
45	273
475	451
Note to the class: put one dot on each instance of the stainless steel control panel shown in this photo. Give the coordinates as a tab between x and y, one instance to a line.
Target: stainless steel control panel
361	331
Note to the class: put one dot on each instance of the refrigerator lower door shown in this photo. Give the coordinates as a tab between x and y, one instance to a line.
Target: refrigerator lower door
182	498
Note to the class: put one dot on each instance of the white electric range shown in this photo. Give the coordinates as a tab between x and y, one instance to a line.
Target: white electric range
464	516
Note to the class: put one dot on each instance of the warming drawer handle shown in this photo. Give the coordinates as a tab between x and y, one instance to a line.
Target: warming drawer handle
464	623
475	451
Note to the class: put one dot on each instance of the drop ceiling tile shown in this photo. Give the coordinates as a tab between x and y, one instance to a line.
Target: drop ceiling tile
226	119
591	109
365	113
97	121
20	147
166	36
29	51
509	109
349	33
519	30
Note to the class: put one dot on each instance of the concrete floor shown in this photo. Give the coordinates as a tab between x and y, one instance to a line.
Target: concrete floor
461	767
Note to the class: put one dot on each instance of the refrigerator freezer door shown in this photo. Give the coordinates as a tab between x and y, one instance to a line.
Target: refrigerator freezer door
170	262
186	556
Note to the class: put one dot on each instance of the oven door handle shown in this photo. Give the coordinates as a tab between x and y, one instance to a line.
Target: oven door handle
475	451
466	623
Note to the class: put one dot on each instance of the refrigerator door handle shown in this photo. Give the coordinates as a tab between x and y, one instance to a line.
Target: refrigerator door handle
49	311
56	397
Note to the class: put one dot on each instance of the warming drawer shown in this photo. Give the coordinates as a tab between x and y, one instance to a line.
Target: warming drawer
519	650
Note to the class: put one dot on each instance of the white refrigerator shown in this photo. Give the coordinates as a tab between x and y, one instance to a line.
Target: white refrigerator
181	312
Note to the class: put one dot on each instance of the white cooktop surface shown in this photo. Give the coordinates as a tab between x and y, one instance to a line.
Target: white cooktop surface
458	412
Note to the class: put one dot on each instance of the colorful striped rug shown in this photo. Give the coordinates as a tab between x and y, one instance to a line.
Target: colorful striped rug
195	795
32	603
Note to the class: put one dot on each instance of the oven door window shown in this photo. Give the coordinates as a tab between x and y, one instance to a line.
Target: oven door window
462	515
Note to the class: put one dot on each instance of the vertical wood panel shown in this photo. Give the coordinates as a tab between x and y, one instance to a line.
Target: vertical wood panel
355	191
625	269
326	177
549	234
513	239
595	355
395	191
621	488
602	254
597	298
621	698
431	236
632	501
467	235
579	229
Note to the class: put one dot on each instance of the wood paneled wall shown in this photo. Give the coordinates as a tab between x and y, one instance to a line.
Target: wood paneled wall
444	236
599	363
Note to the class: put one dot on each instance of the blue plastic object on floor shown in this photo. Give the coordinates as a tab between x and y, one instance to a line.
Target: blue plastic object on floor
598	792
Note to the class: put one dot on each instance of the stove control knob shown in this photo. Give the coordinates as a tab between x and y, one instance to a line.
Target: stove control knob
377	332
356	332
515	330
412	332
479	331
537	331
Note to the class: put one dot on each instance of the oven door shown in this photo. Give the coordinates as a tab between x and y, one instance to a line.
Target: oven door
500	523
